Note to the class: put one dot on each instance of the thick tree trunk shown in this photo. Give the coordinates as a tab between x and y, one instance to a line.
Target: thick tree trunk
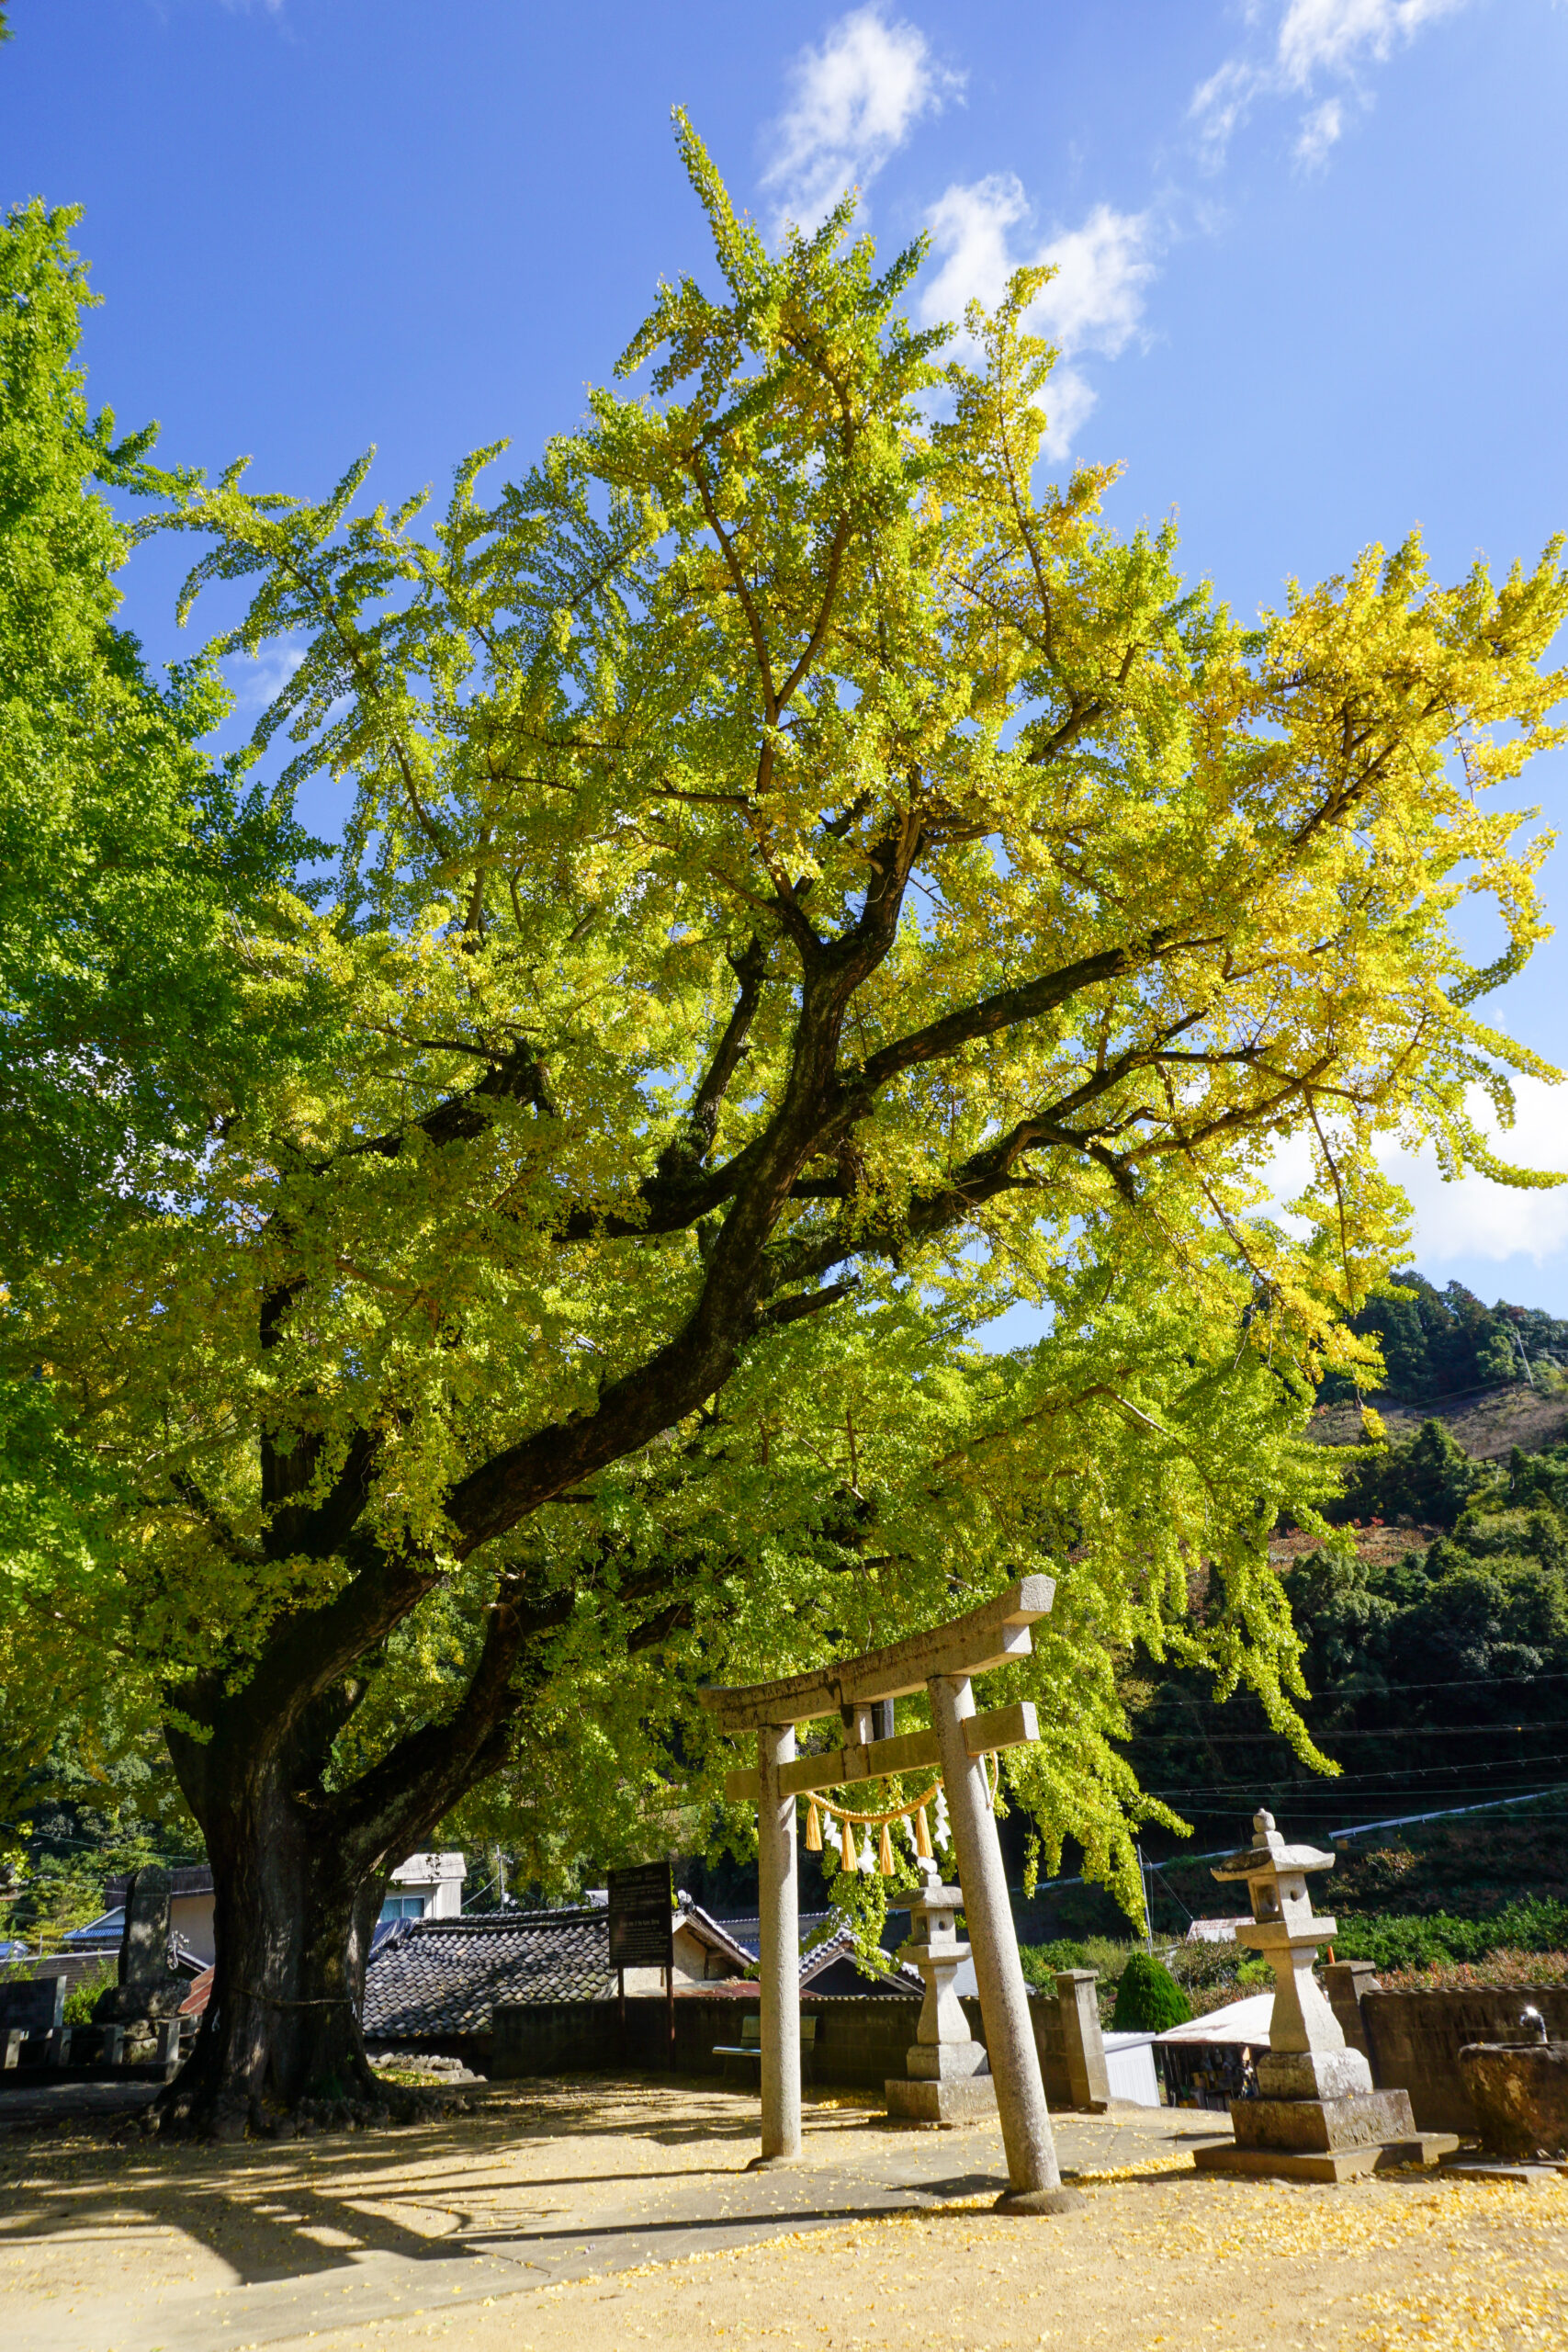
300	1868
291	1917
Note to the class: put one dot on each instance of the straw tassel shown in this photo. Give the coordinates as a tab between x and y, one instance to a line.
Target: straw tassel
848	1848
885	1858
813	1829
922	1836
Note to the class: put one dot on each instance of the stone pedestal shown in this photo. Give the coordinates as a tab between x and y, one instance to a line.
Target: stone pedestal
149	1990
947	2078
1519	2092
1317	2115
1324	2139
973	2101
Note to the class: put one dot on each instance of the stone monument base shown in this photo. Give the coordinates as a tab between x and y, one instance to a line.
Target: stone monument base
1324	2139
141	2005
970	2099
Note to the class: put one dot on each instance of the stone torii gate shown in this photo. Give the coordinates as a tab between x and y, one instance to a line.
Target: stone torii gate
941	1663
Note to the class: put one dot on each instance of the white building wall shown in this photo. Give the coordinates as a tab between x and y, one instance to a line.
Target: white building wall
438	1878
1130	2068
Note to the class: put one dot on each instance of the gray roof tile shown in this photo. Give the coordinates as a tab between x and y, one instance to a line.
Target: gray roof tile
444	1976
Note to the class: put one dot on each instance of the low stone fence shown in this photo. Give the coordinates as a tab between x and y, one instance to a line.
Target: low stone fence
860	2040
856	2039
1414	2041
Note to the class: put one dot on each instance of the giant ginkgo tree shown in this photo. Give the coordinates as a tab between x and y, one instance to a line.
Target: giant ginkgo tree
807	883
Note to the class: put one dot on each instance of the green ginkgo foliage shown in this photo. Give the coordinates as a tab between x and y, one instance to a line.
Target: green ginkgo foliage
806	888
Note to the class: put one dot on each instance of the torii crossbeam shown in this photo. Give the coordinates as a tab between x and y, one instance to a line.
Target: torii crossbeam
939	1662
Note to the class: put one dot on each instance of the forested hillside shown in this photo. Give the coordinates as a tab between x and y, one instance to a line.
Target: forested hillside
1445	1344
1436	1623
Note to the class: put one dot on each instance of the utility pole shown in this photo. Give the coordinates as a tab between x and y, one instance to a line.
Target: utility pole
1144	1882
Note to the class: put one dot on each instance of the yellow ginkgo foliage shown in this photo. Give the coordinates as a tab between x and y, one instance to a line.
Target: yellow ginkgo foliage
806	887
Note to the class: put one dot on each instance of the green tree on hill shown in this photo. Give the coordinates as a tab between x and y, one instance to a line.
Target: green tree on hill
1427	1479
1445	1344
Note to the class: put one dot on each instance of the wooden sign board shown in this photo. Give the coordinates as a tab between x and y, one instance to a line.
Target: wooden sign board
35	2004
641	1918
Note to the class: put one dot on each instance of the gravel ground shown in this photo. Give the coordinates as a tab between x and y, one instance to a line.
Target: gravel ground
572	2216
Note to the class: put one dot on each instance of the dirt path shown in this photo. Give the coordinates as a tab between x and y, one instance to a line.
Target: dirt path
575	2216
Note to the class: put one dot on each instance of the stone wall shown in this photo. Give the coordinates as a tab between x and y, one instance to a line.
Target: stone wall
860	2040
1414	2041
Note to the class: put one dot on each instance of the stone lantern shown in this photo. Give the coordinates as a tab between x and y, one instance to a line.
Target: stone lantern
947	2076
1316	2115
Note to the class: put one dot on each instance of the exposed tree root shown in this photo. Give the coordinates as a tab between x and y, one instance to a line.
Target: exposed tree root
227	2121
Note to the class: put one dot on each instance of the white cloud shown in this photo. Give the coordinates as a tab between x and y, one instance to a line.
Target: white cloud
1309	38
1338	33
1321	129
970	229
1473	1217
1094	303
853	102
256	679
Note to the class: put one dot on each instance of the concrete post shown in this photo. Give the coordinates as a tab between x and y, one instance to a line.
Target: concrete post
1083	2043
1034	2180
780	1950
1346	1981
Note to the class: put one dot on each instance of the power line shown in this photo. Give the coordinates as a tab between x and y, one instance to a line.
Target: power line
1393	1730
1460	1683
1403	1820
1411	1773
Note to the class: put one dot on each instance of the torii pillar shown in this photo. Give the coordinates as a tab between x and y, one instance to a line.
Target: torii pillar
779	1952
941	1663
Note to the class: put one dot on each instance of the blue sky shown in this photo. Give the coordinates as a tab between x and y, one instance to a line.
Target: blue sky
1312	270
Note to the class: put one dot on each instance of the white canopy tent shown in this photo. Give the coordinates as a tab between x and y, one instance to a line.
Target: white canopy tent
1240	2022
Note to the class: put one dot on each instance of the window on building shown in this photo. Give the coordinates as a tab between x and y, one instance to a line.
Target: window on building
402	1906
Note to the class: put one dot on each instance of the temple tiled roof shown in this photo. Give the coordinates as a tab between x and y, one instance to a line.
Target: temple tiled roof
834	1947
835	1959
435	1977
747	1932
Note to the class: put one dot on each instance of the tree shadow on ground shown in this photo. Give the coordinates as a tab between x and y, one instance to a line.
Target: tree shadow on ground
438	2191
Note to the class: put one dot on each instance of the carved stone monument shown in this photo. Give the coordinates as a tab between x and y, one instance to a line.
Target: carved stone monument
1316	2115
947	2076
149	1992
